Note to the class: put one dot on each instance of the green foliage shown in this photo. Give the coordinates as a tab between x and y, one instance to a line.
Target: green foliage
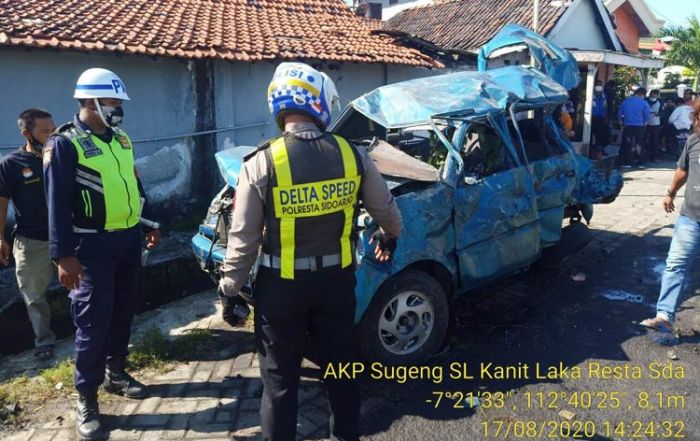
51	383
153	351
672	80
685	49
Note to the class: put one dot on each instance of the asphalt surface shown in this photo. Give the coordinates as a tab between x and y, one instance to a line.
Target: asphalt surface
565	323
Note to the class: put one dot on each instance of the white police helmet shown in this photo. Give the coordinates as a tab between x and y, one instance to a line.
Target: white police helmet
298	87
99	83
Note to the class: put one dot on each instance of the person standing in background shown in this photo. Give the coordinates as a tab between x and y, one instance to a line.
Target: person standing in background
680	120
599	124
653	129
666	132
634	114
22	182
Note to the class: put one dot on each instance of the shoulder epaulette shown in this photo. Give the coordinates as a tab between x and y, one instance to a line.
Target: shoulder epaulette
261	146
64	127
69	130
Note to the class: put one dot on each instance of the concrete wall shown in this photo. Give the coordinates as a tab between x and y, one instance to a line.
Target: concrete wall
163	106
241	95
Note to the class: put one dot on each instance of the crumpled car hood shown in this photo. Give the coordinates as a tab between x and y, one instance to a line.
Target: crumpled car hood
555	62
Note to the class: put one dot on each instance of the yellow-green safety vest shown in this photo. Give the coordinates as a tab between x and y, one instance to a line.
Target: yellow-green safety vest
107	187
312	199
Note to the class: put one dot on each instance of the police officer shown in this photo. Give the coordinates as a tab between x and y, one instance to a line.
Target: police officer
297	198
95	200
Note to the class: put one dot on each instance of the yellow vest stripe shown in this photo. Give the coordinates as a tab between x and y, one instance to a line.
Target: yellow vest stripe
287	224
350	167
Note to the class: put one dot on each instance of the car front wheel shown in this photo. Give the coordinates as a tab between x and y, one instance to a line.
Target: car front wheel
406	321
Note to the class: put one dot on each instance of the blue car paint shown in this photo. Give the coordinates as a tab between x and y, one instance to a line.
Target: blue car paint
482	230
230	162
429	237
555	62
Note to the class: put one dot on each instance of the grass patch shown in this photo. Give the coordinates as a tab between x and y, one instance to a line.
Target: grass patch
22	391
154	351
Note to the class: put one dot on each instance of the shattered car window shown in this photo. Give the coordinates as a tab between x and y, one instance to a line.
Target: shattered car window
540	139
484	152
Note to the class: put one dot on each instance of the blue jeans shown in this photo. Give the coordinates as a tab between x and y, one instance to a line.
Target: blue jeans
684	248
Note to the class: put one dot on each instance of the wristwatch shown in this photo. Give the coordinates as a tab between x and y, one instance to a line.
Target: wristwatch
671	193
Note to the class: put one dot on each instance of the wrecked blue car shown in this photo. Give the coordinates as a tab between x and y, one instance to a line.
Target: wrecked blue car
484	179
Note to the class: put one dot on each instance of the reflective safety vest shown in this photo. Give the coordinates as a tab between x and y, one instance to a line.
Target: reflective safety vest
107	195
311	199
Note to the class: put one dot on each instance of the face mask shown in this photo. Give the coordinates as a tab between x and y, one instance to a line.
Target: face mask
653	99
110	116
598	89
36	145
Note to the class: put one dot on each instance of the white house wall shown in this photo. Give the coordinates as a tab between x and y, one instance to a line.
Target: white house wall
578	29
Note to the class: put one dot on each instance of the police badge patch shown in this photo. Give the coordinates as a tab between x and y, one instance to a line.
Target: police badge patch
89	147
124	141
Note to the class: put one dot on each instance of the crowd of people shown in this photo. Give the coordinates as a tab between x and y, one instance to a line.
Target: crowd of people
652	129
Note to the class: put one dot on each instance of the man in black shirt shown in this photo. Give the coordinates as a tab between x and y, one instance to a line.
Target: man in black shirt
21	181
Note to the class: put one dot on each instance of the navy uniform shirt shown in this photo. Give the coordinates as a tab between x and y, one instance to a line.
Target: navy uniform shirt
22	181
60	161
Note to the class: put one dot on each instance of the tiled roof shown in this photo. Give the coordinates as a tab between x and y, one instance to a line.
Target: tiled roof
235	30
468	24
653	43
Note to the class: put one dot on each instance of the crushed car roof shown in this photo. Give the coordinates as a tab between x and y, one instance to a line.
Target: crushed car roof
414	102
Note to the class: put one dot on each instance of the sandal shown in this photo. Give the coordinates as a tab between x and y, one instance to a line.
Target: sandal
657	324
44	352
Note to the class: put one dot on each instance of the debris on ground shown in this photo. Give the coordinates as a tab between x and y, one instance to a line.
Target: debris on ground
579	277
566	414
616	294
671	355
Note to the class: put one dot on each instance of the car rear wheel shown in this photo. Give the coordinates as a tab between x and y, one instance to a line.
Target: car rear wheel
406	321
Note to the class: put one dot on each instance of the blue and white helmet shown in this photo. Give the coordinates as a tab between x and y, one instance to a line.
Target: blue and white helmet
100	83
298	87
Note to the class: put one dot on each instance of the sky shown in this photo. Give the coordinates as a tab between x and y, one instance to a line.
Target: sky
674	12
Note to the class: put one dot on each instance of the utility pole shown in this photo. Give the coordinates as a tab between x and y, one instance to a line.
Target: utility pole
536	16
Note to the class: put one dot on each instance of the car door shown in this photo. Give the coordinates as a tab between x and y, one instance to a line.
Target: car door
496	227
551	165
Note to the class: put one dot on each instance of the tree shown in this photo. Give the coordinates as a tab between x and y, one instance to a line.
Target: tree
685	50
672	80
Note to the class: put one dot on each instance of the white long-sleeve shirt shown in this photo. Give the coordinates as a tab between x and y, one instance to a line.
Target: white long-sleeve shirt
681	117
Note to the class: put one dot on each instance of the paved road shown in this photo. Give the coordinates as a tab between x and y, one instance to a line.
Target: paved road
541	316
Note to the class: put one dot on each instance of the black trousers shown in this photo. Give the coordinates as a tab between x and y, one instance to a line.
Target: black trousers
601	132
103	306
632	149
653	141
286	312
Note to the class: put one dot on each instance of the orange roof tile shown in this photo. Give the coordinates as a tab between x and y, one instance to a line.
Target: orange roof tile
242	30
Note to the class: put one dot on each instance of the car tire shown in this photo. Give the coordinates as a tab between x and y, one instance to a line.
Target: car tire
406	321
